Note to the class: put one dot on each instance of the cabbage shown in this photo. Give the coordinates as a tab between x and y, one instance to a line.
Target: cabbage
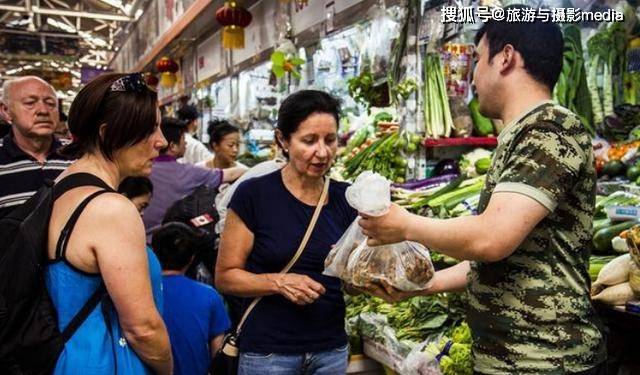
468	161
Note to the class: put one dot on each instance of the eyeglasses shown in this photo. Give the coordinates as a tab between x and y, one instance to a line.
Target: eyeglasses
133	82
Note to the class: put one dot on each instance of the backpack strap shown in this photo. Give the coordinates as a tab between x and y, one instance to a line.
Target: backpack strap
63	240
75	180
84	312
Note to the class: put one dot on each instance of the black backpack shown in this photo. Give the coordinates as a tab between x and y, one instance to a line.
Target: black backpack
30	340
198	210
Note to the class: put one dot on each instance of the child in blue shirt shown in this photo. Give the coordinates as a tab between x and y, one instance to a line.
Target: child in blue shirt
193	312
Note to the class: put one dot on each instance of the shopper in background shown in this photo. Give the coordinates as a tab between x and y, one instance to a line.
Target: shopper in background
62	130
115	124
29	153
298	325
526	254
172	180
195	151
224	140
194	312
139	191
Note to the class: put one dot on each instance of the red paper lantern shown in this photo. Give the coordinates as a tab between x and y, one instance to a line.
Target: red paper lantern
173	66
234	18
152	80
163	65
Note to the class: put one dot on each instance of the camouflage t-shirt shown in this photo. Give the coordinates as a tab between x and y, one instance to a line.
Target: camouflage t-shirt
531	312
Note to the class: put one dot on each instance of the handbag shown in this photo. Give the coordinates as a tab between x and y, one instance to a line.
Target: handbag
229	347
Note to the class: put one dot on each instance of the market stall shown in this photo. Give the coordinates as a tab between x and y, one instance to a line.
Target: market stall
409	114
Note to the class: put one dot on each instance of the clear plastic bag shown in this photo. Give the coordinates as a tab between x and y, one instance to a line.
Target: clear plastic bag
421	362
404	266
370	194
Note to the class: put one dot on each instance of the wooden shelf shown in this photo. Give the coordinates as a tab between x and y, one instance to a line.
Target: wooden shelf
469	141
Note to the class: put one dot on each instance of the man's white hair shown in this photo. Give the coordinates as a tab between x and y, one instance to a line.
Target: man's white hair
8	86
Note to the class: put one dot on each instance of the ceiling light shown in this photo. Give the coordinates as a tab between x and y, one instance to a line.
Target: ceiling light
61	25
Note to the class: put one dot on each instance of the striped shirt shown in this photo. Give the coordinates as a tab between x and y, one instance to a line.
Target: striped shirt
21	175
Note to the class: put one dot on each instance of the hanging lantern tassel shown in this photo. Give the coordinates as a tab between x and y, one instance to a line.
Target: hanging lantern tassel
233	37
235	19
168	79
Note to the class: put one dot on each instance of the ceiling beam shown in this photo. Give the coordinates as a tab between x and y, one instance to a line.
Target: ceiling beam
9	14
70	13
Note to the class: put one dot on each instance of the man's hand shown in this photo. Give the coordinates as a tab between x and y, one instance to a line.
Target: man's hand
389	228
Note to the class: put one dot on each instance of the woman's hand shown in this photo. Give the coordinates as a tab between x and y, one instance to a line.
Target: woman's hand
299	289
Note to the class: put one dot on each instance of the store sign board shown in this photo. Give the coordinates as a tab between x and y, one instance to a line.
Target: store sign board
209	57
261	33
188	69
306	15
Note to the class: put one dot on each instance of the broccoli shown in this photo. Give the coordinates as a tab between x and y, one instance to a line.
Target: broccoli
458	362
462	334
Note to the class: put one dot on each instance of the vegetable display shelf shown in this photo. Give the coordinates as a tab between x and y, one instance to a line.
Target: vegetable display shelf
391	360
469	141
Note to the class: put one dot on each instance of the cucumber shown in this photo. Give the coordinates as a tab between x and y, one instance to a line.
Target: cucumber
482	165
601	224
602	238
482	125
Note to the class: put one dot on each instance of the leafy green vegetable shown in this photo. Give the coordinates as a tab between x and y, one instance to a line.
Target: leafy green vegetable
458	362
462	334
572	90
437	113
607	53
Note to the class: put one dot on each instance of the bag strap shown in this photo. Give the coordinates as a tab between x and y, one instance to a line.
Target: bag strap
84	312
75	180
63	240
68	183
303	244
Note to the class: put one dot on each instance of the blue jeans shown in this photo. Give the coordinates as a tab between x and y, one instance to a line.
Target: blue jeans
330	362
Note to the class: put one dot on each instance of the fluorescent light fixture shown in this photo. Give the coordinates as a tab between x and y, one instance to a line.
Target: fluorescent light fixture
61	25
13	71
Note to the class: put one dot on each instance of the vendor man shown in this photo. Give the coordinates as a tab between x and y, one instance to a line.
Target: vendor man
526	254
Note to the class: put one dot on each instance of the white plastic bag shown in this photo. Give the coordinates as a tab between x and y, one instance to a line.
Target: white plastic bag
370	194
404	266
224	197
